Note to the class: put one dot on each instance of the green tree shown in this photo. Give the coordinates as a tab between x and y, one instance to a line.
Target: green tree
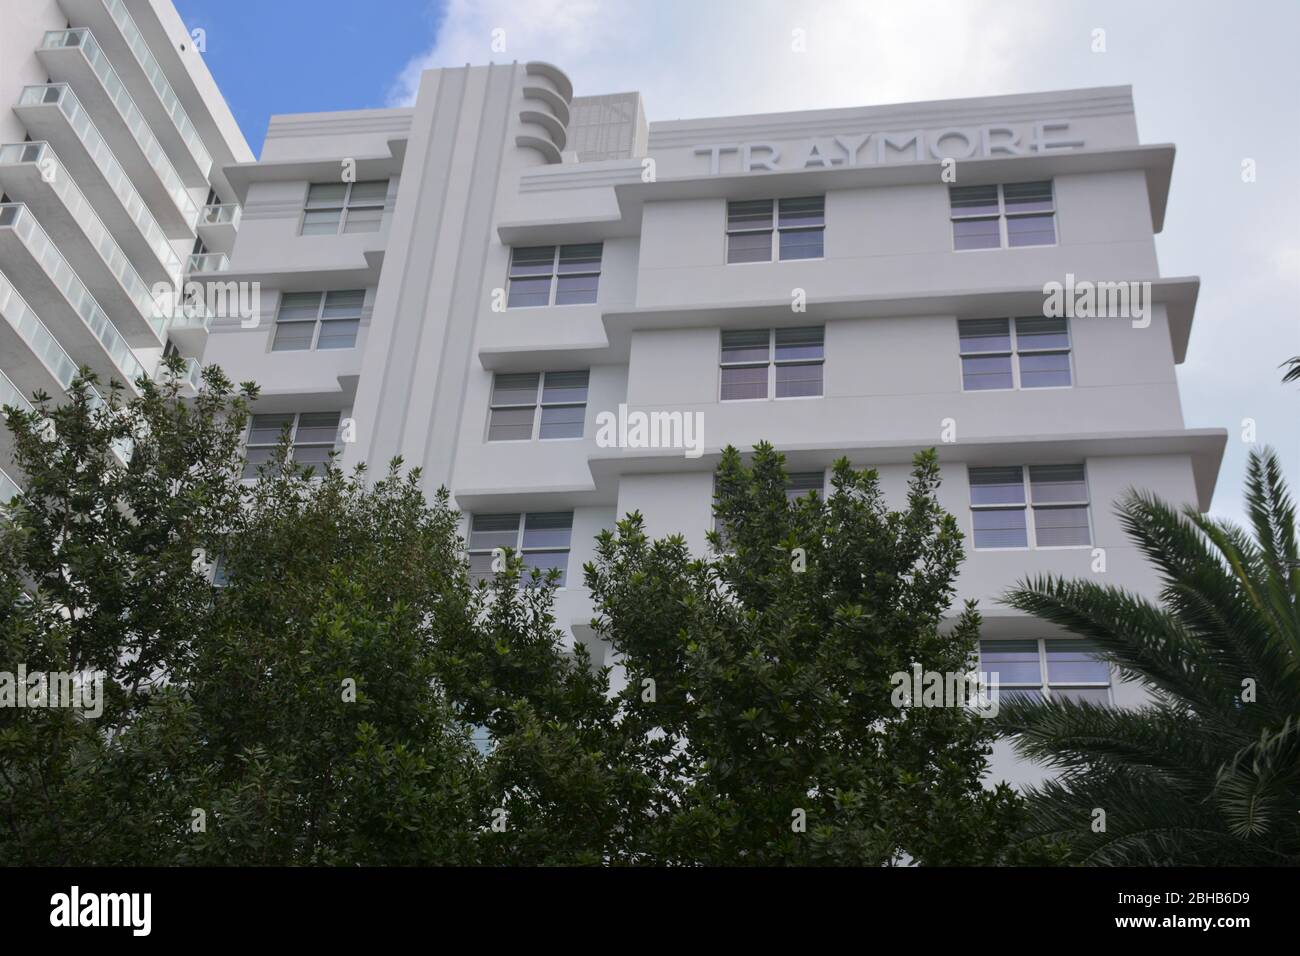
1209	771
762	676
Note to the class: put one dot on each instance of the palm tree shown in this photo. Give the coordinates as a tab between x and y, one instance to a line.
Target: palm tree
1208	773
1293	373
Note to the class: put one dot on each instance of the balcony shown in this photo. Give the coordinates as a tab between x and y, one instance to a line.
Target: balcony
9	489
207	262
189	326
33	357
190	378
30	173
218	224
44	278
75	57
123	41
53	113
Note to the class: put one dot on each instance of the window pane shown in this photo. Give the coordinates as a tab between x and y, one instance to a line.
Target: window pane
266	429
363	220
321	222
976	234
369	192
480	567
985	371
511	424
515	389
748	346
800	343
326	194
293	336
562	421
973	200
344	304
984	335
299	305
1075	662
580	258
1028	197
338	334
801	483
529	292
532	261
576	290
1038	333
255	458
316	427
749	214
1031	230
1015	662
1056	483
315	456
545	561
739	382
802	244
548	529
996	486
801	380
1085	695
494	531
1000	528
1061	527
1044	369
564	387
749	247
805	211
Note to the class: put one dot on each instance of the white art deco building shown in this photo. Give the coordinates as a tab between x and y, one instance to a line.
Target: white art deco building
483	282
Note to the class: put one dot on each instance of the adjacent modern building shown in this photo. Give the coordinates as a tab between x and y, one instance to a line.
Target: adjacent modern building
564	314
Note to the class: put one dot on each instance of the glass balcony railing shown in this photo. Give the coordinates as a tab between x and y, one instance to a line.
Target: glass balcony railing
208	262
9	489
11	394
190	318
44	158
21	318
17	217
83	39
61	95
158	80
219	214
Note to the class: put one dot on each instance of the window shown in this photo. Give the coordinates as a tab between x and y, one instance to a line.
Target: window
334	208
800	229
325	320
995	217
1028	352
516	398
541	538
1048	669
554	275
750	372
1057	507
797	485
312	435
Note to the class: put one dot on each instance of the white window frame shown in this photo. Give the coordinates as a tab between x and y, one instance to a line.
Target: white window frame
1004	241
1045	686
772	363
1015	354
553	287
293	438
537	405
774	230
1028	506
319	321
343	208
518	547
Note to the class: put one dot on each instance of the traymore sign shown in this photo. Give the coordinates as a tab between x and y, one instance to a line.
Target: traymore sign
865	149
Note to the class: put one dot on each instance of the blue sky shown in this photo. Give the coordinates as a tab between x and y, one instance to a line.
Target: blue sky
1219	80
300	56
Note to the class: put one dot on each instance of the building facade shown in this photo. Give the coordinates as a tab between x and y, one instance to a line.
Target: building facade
564	314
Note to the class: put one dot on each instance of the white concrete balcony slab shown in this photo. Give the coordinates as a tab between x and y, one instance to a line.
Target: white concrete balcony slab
142	74
34	359
207	263
44	278
31	173
219	224
54	114
75	57
189	327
